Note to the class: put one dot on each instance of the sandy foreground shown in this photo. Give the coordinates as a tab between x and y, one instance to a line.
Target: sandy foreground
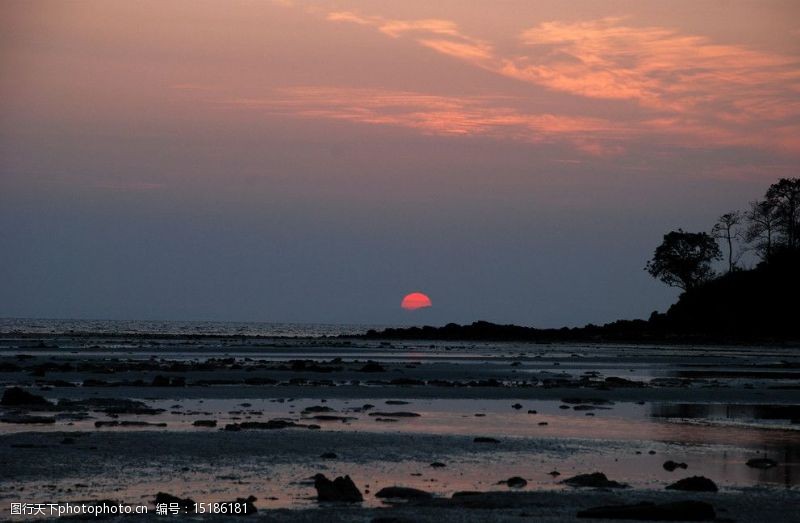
122	425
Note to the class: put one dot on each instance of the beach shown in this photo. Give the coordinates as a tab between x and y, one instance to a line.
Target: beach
220	418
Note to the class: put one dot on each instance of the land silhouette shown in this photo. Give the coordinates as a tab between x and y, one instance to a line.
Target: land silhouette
739	304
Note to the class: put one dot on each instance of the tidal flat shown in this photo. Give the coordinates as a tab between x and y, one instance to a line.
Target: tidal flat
216	418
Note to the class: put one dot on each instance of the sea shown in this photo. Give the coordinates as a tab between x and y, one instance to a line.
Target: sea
177	328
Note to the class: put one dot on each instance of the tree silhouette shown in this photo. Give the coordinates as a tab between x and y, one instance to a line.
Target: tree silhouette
727	231
784	196
762	222
684	259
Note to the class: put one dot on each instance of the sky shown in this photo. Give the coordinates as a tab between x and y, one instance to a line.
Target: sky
286	161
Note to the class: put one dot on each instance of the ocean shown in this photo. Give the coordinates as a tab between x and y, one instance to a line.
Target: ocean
188	328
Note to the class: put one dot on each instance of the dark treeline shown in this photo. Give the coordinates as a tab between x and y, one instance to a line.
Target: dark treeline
734	303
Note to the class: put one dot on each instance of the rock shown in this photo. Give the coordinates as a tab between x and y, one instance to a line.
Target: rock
674	511
205	423
515	482
481	439
16	397
613	381
340	489
187	504
273	424
670	465
115	423
396	402
403	493
372	366
694	484
516	406
329	455
594	480
438	465
532	412
761	463
554	473
395	414
27	420
317	409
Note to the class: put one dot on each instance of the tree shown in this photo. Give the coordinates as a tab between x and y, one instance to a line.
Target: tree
761	224
684	259
784	196
726	229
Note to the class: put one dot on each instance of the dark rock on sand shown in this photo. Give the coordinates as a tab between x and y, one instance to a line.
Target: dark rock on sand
481	439
115	423
613	381
670	465
396	402
205	423
395	414
516	406
273	424
761	463
329	455
515	482
403	493
17	397
438	465
340	489
27	420
694	484
594	480
187	504
317	409
675	511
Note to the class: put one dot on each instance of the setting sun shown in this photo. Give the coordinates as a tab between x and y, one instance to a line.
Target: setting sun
415	300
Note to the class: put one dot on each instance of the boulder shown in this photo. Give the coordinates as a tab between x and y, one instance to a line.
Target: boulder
17	397
403	493
24	419
670	465
761	463
340	489
515	482
593	480
694	484
482	439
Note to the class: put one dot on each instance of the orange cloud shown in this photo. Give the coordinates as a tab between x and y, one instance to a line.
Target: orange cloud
686	86
437	115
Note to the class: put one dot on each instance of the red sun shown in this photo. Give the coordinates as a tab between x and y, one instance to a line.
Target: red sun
415	300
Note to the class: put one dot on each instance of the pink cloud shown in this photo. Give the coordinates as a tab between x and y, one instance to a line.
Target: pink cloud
686	86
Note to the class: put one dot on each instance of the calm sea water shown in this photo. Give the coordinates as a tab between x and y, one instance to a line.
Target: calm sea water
222	328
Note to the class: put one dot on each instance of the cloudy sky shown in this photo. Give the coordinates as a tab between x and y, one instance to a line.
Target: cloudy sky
315	161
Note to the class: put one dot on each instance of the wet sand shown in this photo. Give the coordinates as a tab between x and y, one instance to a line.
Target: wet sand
388	411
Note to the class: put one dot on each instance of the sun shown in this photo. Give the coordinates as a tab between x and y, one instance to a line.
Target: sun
415	300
